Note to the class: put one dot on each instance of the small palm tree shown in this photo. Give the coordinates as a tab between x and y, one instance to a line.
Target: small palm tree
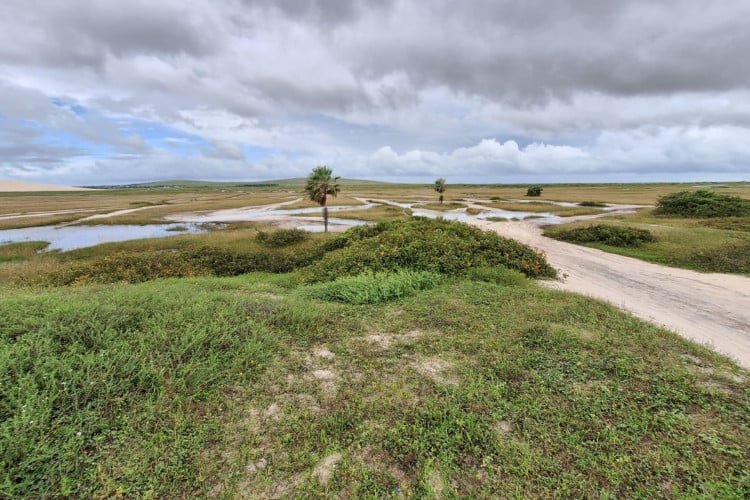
440	188
321	184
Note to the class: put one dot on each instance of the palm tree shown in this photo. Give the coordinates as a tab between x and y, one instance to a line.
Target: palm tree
320	184
440	188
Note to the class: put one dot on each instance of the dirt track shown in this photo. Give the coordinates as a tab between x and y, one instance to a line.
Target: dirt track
711	309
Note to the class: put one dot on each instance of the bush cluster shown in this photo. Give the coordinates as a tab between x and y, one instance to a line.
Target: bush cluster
282	237
592	204
534	190
702	203
374	288
205	261
616	236
422	244
731	258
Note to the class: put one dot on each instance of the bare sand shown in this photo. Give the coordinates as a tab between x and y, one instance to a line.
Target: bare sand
709	308
10	186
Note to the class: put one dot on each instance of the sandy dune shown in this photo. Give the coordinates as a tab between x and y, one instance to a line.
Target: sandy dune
709	308
9	186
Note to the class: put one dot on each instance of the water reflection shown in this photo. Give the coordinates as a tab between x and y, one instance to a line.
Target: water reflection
72	237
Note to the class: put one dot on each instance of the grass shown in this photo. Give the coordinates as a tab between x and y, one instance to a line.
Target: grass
244	387
478	384
715	245
21	251
545	207
442	207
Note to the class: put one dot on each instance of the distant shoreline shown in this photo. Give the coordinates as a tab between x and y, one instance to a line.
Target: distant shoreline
10	186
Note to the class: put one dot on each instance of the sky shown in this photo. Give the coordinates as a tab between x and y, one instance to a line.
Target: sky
487	91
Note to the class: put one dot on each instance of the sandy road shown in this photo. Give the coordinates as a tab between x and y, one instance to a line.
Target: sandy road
711	309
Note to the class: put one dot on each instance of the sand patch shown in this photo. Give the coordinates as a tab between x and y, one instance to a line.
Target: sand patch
10	186
504	428
326	467
385	341
437	369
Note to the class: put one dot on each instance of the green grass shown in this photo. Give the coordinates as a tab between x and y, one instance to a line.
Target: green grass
244	387
476	384
709	245
374	288
21	251
442	207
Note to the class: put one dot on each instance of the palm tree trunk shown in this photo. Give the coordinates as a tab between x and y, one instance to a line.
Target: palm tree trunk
325	218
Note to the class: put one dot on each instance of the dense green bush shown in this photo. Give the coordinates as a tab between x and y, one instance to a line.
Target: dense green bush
282	237
204	261
702	203
592	204
616	236
534	190
374	288
422	244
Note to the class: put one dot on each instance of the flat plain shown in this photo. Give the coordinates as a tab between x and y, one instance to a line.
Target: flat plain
417	358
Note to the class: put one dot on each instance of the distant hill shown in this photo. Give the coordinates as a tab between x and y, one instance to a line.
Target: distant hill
10	186
297	182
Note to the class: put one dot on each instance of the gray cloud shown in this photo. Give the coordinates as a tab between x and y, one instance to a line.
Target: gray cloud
625	86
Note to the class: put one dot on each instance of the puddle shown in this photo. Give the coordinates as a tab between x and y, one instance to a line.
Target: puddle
542	217
234	215
72	237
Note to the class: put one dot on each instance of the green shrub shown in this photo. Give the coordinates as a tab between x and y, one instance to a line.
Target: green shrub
204	261
731	258
616	236
422	244
592	204
702	203
374	288
282	237
534	190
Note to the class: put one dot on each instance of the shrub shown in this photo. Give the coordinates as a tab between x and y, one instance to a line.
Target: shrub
534	190
282	237
146	266
422	244
730	258
374	288
592	204
616	236
702	203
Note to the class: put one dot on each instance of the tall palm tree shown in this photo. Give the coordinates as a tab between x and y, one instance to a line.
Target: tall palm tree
440	187
321	184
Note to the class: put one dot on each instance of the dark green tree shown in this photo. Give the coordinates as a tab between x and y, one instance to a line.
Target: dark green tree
320	185
440	187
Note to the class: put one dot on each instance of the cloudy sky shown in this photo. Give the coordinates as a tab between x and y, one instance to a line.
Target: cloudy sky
113	91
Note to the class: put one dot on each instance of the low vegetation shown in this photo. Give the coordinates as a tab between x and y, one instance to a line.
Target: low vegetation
413	358
616	236
421	244
710	245
484	386
374	288
702	203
